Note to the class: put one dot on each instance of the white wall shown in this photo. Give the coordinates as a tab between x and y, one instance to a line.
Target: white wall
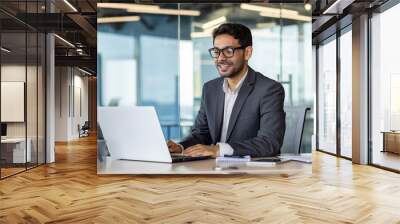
12	73
33	126
70	83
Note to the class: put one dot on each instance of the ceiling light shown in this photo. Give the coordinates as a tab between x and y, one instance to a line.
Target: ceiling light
214	22
200	34
84	71
265	9
70	5
333	6
337	7
307	6
64	40
118	19
164	11
152	9
127	6
5	50
287	16
265	25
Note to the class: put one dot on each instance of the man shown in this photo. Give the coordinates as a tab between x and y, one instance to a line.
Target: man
241	112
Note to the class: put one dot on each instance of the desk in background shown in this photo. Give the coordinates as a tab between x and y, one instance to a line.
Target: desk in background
391	141
13	150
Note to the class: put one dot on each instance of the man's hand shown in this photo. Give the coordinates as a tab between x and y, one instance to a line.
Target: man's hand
173	147
202	150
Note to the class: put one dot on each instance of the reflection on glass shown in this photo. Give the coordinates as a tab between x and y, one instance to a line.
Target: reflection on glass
282	52
14	153
327	97
385	88
346	94
141	66
22	90
163	60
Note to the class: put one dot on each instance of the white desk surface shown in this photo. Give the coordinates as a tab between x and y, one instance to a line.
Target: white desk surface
113	166
13	140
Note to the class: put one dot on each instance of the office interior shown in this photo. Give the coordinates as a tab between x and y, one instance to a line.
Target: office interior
349	82
358	82
48	79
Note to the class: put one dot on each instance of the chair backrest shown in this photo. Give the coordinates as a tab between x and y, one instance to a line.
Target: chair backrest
102	149
86	125
295	118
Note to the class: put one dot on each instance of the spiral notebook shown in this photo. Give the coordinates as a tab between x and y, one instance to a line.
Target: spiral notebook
233	159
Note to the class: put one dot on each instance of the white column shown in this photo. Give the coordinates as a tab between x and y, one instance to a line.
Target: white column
50	99
360	90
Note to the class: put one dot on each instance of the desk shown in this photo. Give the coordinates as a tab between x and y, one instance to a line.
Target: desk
391	141
113	166
13	150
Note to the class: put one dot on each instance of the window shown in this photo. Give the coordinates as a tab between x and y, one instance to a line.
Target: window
327	96
385	87
346	94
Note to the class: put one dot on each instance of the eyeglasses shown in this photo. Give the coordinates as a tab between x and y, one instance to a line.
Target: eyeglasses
228	52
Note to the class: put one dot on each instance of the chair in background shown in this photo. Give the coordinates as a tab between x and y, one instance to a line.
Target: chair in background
102	149
295	119
84	130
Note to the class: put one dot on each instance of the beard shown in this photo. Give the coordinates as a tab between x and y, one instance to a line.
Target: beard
228	69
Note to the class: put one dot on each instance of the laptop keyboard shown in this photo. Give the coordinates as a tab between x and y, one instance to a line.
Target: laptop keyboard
178	158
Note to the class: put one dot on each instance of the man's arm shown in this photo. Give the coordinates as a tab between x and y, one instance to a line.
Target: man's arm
200	133
269	138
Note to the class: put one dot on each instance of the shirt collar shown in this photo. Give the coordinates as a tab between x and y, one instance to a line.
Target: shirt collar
225	86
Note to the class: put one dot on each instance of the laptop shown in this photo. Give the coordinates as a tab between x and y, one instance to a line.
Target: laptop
134	133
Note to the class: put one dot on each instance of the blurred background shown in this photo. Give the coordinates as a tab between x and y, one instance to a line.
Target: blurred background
157	55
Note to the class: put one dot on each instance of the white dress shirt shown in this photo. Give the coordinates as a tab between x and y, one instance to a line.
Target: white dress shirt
230	98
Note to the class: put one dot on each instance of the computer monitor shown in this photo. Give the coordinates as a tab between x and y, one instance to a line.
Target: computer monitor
3	129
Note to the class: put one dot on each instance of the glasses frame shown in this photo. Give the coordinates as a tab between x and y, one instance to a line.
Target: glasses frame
222	50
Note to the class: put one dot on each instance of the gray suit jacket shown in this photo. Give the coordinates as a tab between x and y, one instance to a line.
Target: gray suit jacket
257	123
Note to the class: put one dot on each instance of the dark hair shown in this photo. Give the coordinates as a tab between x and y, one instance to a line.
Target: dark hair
237	31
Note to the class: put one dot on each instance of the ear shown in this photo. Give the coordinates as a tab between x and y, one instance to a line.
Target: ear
248	51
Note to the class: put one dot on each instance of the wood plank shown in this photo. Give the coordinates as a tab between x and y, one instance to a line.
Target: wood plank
70	191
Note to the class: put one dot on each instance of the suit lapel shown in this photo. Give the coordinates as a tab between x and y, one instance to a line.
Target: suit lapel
219	112
244	92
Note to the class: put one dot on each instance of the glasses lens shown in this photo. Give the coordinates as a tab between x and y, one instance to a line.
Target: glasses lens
228	52
214	52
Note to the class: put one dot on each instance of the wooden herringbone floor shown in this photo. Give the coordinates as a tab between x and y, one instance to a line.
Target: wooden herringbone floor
69	191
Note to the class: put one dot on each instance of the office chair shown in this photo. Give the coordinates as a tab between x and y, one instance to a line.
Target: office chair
84	130
295	119
102	149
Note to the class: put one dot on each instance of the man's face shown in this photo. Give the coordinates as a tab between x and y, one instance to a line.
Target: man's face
230	67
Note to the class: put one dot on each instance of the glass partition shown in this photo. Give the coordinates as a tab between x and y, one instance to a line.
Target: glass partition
13	94
141	66
385	89
346	93
22	102
327	96
160	58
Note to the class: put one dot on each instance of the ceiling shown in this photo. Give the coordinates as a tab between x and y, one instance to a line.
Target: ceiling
74	21
329	16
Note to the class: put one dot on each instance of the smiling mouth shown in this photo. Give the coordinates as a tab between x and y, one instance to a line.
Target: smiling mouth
224	66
